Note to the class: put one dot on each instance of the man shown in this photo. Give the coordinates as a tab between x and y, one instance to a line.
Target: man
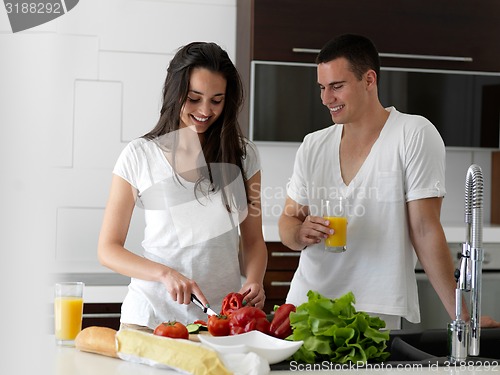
391	168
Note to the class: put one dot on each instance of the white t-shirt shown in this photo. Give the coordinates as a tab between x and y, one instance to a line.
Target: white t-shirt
407	162
195	235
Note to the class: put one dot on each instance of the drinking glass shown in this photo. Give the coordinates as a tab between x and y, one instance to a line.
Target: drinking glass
68	312
334	210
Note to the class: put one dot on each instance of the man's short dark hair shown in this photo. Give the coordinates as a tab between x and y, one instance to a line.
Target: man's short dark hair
359	51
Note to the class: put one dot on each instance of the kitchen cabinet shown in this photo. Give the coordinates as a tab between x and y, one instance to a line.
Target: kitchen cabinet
460	36
94	314
412	34
281	265
102	315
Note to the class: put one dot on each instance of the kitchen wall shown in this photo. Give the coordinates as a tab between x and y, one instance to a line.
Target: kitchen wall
74	91
87	83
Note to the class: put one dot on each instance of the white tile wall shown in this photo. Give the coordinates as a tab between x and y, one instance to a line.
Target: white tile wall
90	81
72	236
483	159
457	163
74	58
277	167
97	123
142	76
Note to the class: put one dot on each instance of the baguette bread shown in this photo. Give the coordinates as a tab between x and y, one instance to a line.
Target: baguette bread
99	340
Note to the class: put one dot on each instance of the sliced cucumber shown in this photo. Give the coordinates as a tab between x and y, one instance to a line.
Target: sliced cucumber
196	328
193	328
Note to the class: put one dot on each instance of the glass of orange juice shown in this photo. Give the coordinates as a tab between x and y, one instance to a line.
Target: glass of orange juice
68	312
334	210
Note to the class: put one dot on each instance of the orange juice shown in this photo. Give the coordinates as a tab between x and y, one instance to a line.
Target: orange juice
339	225
68	317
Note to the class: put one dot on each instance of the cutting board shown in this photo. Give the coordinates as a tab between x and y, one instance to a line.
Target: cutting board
196	336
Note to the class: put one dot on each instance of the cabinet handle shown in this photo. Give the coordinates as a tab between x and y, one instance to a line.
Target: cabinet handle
305	50
401	55
426	57
281	283
285	254
103	315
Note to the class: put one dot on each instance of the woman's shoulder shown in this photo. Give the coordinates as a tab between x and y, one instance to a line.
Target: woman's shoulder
139	142
248	145
139	145
139	150
251	158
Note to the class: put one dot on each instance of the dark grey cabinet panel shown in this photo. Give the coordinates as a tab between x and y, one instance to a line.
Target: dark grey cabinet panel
439	28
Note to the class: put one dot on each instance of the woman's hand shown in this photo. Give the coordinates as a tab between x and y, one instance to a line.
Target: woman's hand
180	287
255	296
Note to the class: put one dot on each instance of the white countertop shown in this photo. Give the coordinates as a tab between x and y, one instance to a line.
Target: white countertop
71	361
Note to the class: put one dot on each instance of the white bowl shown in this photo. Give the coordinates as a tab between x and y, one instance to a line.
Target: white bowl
270	348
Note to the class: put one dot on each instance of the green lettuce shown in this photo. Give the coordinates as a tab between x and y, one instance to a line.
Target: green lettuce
333	330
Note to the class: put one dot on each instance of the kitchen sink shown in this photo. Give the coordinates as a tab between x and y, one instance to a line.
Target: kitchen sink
431	346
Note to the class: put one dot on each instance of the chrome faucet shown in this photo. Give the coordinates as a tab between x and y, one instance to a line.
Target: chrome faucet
463	337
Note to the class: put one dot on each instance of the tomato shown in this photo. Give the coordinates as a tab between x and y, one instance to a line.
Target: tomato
173	329
248	319
218	325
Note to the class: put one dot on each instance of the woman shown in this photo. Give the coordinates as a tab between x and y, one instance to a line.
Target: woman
196	178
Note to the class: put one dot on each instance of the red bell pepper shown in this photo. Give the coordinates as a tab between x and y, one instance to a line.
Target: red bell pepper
280	325
248	319
232	302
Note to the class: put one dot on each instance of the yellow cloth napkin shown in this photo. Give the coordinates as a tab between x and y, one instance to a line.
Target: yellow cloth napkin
185	356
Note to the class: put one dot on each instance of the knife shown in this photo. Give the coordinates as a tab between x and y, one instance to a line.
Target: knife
206	310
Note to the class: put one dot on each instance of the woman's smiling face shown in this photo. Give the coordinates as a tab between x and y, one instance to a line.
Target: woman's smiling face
205	100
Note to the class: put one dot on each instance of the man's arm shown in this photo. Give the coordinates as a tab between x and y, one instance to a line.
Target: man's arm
430	244
298	229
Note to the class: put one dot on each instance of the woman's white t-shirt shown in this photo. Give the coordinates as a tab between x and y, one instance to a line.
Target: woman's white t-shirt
194	234
407	162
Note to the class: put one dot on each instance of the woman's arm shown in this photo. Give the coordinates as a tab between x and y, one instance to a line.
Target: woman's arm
112	253
253	245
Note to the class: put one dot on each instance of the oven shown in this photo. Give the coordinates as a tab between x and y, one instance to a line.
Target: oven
432	313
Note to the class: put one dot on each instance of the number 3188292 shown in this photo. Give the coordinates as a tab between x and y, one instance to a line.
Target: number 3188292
33	8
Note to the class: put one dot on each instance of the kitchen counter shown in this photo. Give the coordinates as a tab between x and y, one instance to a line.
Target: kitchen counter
71	361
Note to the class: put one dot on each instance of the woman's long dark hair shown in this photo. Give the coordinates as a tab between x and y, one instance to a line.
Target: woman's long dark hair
223	143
